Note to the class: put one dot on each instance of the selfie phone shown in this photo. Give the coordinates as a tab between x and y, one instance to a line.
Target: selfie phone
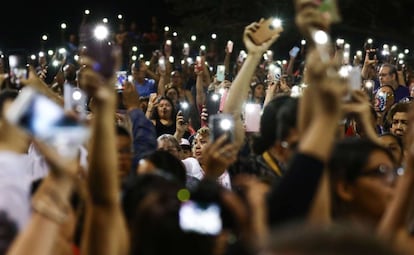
267	29
220	124
94	42
18	67
46	120
220	73
201	218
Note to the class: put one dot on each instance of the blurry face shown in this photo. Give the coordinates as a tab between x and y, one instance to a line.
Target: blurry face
145	166
259	91
385	77
176	79
166	145
138	74
187	153
172	94
164	109
372	191
399	123
198	145
123	145
389	142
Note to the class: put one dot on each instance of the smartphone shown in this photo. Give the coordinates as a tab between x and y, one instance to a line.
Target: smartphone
185	111
46	120
213	103
121	77
230	46
75	100
199	65
372	54
161	63
220	74
95	42
267	29
294	51
252	113
18	67
220	124
201	218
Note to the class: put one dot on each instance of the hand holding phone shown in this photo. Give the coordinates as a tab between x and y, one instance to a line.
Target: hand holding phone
19	68
44	119
221	124
267	29
294	52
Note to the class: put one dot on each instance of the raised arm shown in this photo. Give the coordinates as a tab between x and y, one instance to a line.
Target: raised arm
105	229
241	84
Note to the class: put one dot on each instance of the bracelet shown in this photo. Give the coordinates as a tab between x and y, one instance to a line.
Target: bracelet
52	207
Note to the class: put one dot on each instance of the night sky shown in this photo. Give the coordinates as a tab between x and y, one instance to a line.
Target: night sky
31	20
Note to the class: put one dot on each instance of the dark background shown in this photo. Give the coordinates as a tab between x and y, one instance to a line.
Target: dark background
22	24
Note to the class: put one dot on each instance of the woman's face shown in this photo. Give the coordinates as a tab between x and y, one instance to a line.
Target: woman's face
172	94
374	187
259	91
198	145
164	109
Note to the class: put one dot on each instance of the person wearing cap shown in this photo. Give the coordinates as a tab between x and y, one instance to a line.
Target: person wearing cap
185	148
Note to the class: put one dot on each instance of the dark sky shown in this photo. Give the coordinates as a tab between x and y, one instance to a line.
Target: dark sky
30	20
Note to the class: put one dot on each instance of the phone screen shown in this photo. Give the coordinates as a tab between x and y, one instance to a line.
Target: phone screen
221	70
18	68
201	218
221	124
46	120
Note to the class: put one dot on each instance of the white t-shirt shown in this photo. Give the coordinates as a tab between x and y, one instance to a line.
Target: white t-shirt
194	169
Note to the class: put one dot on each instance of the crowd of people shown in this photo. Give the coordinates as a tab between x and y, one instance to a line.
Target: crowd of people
186	153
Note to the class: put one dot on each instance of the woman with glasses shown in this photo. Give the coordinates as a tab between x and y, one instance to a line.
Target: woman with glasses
363	178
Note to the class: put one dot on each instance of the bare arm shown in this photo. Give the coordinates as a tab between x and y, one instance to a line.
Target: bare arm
241	84
105	228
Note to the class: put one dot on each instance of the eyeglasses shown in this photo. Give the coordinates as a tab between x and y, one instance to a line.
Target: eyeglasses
386	174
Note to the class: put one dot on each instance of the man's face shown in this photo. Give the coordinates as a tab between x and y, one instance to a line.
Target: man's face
124	148
385	77
399	123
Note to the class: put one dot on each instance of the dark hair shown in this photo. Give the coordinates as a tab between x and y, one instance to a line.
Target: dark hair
349	157
278	118
151	208
122	131
156	116
392	69
397	107
8	231
165	161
